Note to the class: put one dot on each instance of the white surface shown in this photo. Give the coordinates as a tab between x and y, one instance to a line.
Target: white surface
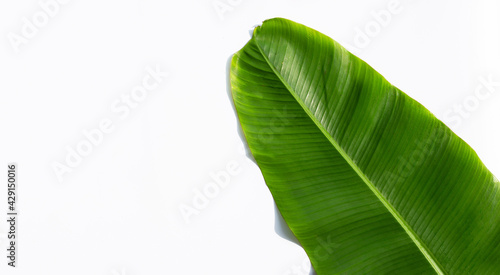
117	212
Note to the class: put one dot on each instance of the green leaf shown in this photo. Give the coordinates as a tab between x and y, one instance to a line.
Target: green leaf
367	179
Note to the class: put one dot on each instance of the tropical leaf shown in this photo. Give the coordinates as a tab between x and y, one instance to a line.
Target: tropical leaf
367	179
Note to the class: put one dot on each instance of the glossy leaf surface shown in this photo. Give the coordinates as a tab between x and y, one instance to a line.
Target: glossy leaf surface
367	179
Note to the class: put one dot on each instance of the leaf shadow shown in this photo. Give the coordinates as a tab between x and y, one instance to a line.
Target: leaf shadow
280	226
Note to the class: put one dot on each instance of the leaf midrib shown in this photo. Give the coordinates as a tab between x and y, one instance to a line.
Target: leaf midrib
412	234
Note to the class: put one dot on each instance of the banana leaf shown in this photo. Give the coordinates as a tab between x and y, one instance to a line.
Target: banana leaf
366	178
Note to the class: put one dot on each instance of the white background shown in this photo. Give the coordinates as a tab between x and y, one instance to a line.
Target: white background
117	211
